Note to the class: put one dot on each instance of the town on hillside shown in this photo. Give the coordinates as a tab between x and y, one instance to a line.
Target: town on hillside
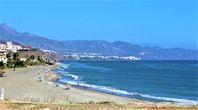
97	56
14	55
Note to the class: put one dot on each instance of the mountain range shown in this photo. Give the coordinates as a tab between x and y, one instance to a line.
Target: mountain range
118	48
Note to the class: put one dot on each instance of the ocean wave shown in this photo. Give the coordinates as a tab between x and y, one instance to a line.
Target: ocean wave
60	69
64	66
75	77
181	101
126	93
64	73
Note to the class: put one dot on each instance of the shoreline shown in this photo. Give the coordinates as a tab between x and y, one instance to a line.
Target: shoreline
23	86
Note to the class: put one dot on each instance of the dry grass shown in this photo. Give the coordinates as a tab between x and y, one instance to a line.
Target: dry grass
94	106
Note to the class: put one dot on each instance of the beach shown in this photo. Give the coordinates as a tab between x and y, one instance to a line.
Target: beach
23	85
24	90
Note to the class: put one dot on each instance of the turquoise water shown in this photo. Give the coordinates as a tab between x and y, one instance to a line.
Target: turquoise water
174	81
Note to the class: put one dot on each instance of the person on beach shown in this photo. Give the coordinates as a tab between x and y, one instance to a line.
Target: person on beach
39	77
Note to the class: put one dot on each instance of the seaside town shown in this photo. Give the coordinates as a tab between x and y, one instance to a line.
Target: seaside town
96	56
13	54
6	47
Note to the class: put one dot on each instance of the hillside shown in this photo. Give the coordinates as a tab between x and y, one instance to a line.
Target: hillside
118	48
26	51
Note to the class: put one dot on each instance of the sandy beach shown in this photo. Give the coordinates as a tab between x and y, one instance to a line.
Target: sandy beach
23	85
24	91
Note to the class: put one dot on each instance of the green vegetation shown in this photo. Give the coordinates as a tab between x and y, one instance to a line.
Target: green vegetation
14	61
32	57
2	65
20	64
9	63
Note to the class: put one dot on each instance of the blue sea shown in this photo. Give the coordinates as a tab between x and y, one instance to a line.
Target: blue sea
157	81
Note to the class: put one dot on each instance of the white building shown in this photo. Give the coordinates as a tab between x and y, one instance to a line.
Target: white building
16	47
3	46
3	57
9	45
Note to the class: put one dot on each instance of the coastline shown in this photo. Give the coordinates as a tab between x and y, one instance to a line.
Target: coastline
23	85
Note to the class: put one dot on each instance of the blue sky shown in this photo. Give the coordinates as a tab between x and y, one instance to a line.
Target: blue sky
164	23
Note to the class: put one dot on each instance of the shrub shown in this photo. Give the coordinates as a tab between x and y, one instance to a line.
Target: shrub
32	57
9	63
2	65
20	64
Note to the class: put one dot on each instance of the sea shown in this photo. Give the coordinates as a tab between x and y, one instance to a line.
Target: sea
156	81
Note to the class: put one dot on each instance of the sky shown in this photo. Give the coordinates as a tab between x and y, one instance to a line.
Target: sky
163	23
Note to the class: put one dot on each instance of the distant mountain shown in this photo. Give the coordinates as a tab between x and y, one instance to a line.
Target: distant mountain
118	48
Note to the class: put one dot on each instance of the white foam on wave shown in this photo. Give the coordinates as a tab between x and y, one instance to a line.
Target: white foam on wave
181	101
75	77
126	93
61	72
64	66
60	69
